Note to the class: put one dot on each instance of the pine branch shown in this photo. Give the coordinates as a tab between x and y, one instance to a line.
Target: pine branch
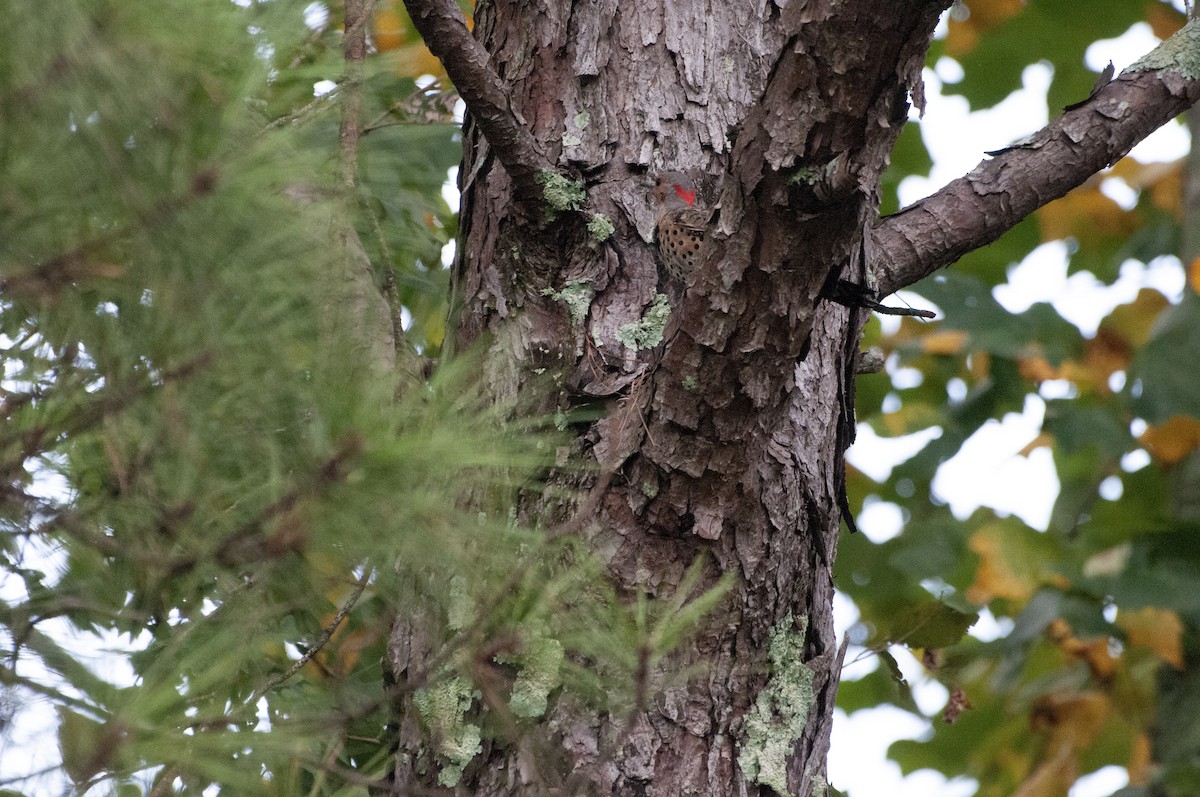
326	634
979	207
24	443
354	303
247	543
468	64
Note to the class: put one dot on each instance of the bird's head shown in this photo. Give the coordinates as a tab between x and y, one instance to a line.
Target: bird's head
674	190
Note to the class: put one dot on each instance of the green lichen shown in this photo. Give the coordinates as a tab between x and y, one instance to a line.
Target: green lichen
576	295
646	332
600	227
806	175
560	193
820	787
541	666
443	708
817	175
649	489
689	383
569	140
582	120
1180	53
871	361
461	609
780	711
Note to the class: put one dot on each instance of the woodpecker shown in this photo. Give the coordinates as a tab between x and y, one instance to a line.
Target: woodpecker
681	223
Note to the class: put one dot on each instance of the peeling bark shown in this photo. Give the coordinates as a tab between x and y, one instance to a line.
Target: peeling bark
979	207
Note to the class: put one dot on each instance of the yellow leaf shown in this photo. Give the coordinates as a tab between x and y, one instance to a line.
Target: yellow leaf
910	329
1109	562
1160	630
1172	441
1164	181
1194	275
1164	20
1167	191
999	574
1141	761
394	35
389	28
980	365
1037	369
944	341
435	329
1070	724
1104	355
910	418
1092	652
1011	566
1129	325
1095	653
341	655
341	652
1043	440
1085	214
414	60
981	16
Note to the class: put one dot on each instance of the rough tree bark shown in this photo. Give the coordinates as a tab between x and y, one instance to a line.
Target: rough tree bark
727	437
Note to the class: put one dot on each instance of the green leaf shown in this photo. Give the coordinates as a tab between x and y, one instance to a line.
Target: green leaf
931	624
987	727
991	263
1180	780
1161	571
81	740
1158	387
1057	31
876	688
968	305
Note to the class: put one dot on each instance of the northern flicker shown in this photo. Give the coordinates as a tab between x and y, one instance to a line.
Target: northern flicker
681	223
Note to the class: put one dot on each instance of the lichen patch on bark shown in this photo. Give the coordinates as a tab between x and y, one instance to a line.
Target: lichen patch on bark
781	709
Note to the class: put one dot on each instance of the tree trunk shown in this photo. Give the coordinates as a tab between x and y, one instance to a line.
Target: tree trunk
726	439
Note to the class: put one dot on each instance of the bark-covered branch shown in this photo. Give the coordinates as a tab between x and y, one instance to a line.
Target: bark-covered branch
979	207
468	64
354	48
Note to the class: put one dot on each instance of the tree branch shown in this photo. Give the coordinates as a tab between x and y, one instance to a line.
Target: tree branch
323	640
354	48
468	64
979	207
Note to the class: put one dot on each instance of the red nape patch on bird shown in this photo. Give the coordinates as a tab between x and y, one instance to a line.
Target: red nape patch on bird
687	196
